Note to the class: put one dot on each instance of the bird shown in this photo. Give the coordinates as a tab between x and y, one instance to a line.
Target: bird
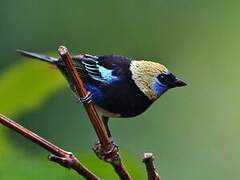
119	86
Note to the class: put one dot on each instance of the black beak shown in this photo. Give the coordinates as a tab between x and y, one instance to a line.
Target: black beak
177	83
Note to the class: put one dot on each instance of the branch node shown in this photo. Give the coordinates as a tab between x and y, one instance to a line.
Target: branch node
65	162
109	154
151	170
62	157
62	50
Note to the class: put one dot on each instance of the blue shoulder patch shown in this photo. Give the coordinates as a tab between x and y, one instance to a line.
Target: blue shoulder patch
106	75
98	72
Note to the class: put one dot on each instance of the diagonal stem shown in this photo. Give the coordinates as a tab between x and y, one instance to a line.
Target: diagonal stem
93	116
107	149
62	157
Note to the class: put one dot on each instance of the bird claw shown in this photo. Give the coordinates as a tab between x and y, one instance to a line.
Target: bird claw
87	98
109	154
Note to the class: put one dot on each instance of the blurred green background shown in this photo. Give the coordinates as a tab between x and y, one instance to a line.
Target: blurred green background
193	131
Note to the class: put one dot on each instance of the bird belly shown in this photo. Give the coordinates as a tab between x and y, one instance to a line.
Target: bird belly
119	100
105	112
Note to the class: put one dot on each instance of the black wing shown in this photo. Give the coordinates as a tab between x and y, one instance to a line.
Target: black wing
94	69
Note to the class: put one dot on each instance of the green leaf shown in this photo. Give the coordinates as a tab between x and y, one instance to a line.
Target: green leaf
25	86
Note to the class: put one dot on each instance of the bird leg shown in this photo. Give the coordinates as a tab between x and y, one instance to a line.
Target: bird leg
114	147
105	122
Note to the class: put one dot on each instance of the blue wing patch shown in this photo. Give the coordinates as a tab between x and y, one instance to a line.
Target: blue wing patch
98	72
106	74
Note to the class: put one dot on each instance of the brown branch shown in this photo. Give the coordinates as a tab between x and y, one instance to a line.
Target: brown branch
151	170
64	158
106	150
93	116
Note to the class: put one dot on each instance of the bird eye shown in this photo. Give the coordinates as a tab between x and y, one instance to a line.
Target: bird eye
162	78
166	78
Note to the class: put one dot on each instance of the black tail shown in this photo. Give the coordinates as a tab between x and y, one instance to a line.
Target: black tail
37	56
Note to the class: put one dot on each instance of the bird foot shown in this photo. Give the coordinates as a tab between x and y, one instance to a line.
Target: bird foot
87	98
109	153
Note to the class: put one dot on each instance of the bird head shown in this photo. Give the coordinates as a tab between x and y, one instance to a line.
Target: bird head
153	79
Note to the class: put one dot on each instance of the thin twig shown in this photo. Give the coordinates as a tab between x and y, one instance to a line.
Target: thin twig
60	156
106	149
93	116
151	170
